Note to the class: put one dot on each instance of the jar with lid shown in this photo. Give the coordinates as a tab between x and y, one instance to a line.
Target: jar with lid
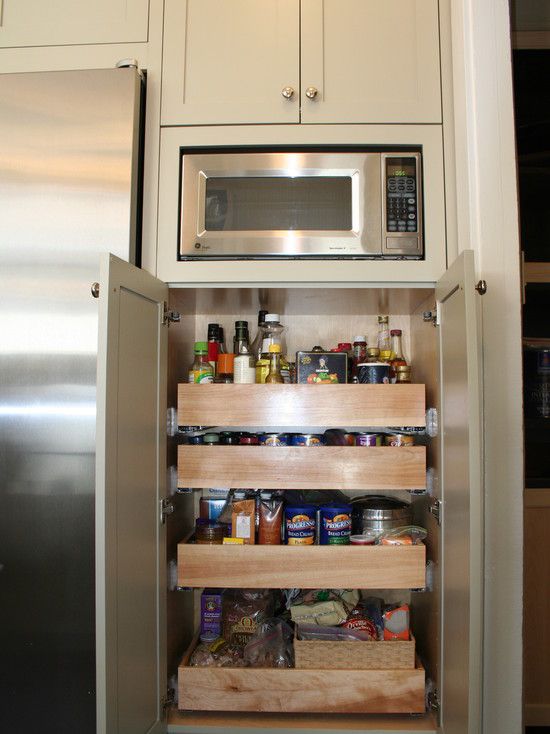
402	373
209	532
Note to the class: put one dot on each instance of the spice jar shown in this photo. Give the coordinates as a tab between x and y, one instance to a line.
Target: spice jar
403	373
209	532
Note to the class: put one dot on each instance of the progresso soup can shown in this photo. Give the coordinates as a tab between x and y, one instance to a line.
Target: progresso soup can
300	524
334	524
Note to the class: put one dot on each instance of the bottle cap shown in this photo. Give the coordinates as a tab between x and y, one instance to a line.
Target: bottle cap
213	331
373	351
261	316
271	317
385	354
220	334
383	319
395	332
403	368
241	324
201	346
225	363
274	348
359	338
345	346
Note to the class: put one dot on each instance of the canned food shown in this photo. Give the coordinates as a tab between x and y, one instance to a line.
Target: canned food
368	439
211	439
195	440
300	524
248	439
349	438
334	524
306	439
273	439
230	439
399	439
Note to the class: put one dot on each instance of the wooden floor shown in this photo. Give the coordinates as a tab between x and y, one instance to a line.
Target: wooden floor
212	723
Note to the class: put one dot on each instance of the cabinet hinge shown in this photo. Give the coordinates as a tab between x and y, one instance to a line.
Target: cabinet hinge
432	315
167	700
166	508
436	509
169	316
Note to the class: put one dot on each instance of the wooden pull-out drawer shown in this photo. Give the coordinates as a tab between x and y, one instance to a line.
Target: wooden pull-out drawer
303	467
305	566
288	406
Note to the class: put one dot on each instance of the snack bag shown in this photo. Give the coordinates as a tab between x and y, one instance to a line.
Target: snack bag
396	623
405	535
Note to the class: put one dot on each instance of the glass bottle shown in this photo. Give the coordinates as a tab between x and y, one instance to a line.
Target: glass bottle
241	340
244	369
359	355
383	333
256	346
397	353
201	371
213	345
225	368
221	341
272	333
373	354
274	375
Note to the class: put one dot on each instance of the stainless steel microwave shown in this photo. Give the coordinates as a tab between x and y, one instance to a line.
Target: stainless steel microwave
306	204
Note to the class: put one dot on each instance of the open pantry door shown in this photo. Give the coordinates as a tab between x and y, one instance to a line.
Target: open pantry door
130	539
459	329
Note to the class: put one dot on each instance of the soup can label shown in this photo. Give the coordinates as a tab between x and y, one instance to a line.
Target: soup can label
300	524
368	439
307	439
335	525
273	439
399	439
374	372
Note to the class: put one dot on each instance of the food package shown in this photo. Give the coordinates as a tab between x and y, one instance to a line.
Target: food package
331	634
327	613
367	616
243	610
271	645
396	622
270	519
405	535
321	368
243	513
217	654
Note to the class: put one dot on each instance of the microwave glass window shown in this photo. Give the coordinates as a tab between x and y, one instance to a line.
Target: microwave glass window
278	203
401	199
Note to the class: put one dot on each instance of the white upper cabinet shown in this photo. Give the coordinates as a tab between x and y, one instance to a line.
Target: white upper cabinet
370	61
309	61
231	62
72	22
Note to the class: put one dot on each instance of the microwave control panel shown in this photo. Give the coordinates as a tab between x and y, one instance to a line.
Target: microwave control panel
402	205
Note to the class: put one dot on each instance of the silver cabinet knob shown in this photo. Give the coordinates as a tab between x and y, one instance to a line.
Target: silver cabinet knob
311	92
287	92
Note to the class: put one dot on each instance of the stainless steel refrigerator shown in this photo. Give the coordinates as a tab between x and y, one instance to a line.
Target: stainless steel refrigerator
69	190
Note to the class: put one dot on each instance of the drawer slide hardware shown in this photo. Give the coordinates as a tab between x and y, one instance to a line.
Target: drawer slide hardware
167	700
436	509
166	508
432	698
430	571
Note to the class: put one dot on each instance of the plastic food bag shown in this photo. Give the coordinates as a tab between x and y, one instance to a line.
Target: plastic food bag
396	622
334	634
243	611
271	645
405	535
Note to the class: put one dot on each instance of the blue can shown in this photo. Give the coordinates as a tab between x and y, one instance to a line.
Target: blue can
334	524
195	440
300	524
273	439
307	439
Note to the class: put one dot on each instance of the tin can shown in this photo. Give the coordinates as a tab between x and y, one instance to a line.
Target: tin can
248	439
335	524
273	439
399	439
300	524
373	372
368	439
230	439
211	439
366	538
349	438
307	439
195	440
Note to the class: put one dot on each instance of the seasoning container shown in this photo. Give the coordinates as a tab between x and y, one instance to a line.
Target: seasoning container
300	524
368	439
403	374
201	371
225	368
399	439
244	369
334	524
383	333
274	375
211	439
209	532
373	354
367	538
374	372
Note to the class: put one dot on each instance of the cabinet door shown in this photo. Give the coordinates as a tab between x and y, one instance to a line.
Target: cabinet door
130	540
39	23
229	62
370	61
462	508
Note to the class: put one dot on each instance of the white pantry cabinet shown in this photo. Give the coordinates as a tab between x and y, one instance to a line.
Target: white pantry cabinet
309	61
140	362
72	22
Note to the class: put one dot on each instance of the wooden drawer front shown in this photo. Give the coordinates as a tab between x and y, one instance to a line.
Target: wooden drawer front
306	567
288	406
292	690
303	467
